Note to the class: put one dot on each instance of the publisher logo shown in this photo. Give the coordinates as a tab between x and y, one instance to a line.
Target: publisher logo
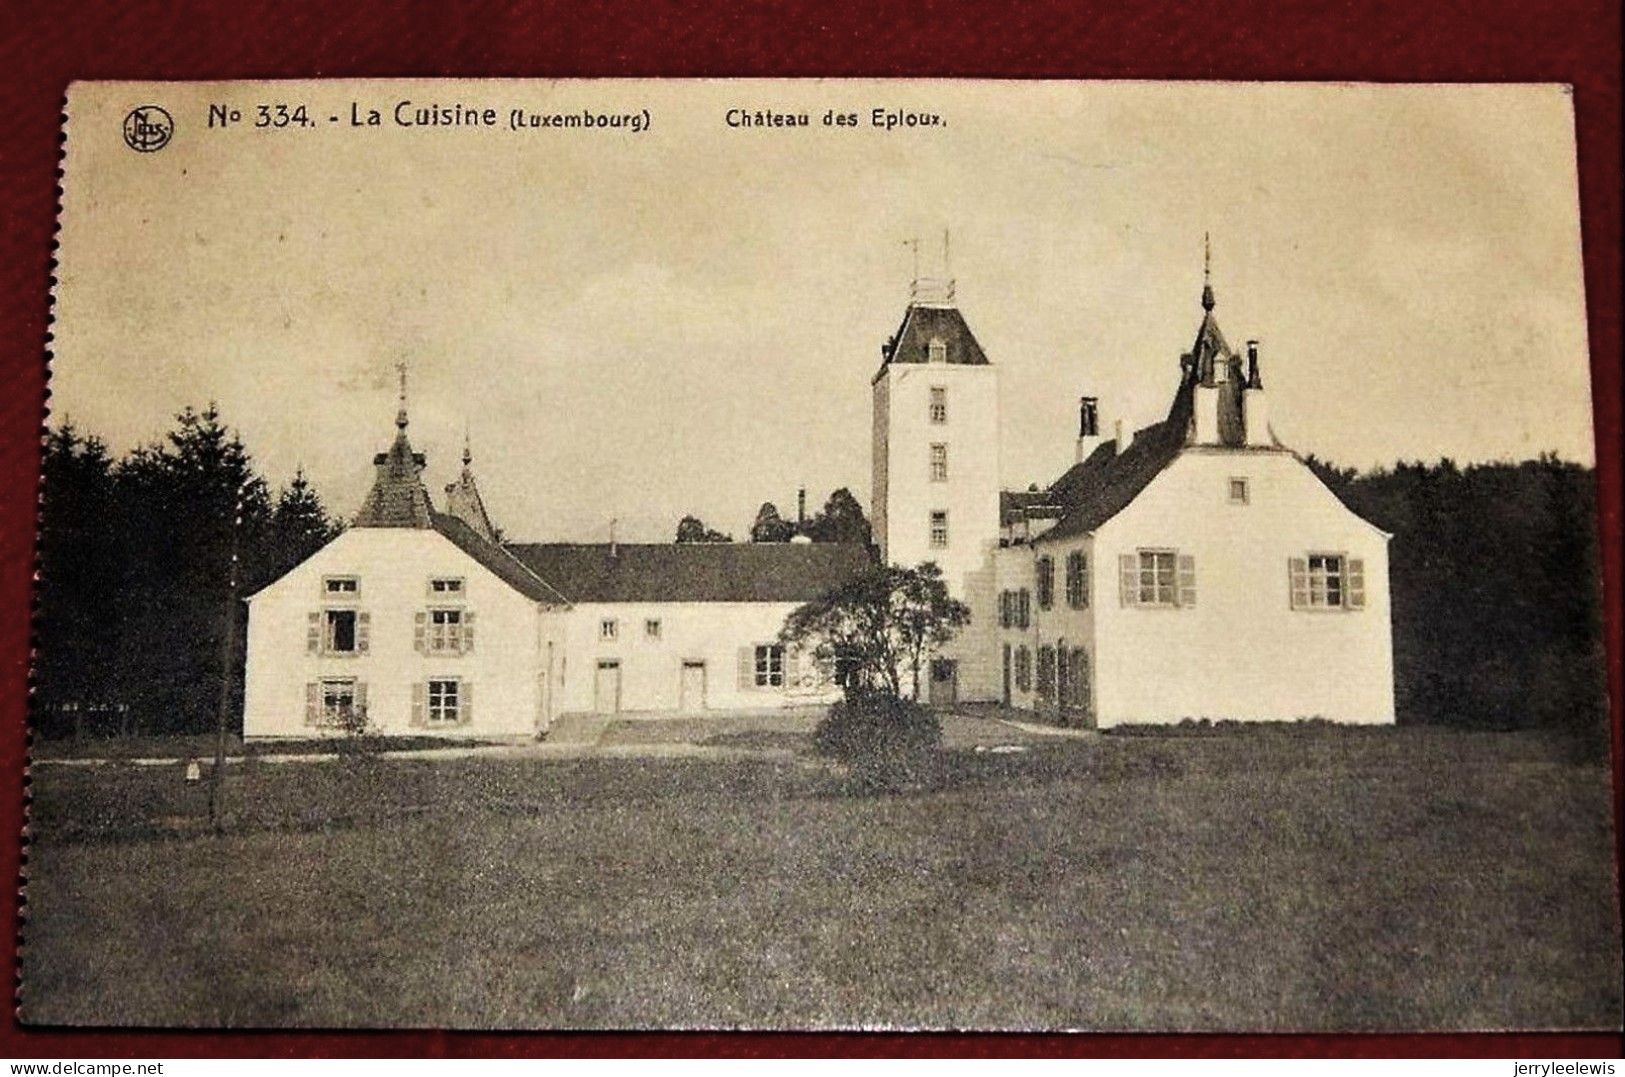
148	129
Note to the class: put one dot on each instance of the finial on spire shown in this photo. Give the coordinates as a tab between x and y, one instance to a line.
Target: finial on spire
1207	273
468	453
400	415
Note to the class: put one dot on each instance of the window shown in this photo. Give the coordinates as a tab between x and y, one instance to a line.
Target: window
939	404
608	629
1046	582
1077	688
1238	492
848	672
1158	579
446	587
1046	672
939	528
1024	608
339	700
769	665
936	351
651	628
939	463
1077	579
340	586
1024	669
339	635
445	631
445	699
1327	581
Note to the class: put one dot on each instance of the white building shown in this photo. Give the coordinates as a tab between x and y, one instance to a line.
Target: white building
1194	569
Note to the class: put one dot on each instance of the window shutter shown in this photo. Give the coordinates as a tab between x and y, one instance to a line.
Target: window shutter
465	702
1356	584
747	667
1128	580
1187	580
361	698
1083	580
468	630
363	632
419	692
792	668
313	634
420	631
313	702
1298	581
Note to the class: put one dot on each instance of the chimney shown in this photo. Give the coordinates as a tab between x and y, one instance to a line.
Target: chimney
801	507
613	549
1255	412
1088	426
1122	442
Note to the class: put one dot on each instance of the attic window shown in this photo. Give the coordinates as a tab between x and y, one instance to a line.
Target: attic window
936	351
1239	494
340	586
443	586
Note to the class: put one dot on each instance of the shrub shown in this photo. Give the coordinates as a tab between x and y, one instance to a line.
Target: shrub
888	743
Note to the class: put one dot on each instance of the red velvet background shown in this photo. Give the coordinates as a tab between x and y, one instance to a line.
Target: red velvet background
46	45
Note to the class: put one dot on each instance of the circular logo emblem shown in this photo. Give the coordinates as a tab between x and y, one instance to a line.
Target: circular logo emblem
148	129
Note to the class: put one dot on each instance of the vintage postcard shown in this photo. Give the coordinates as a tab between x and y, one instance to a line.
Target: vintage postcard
819	554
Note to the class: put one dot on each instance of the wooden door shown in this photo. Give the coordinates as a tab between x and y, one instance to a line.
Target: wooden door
692	694
943	687
606	691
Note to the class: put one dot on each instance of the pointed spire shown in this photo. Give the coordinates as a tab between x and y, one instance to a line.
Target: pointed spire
463	496
1207	273
400	415
468	453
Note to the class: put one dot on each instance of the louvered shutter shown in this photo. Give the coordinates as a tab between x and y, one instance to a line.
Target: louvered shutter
420	631
468	630
1187	580
1083	580
313	634
361	698
363	632
465	702
792	668
1128	580
313	703
420	692
1356	584
747	668
1298	581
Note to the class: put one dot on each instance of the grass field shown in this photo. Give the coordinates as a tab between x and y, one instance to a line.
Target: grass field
1261	879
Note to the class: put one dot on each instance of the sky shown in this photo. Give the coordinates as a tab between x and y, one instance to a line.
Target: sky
686	319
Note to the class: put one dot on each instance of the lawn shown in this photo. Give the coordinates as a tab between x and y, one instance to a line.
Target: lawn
1259	879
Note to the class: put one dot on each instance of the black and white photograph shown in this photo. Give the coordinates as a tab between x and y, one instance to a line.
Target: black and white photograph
819	554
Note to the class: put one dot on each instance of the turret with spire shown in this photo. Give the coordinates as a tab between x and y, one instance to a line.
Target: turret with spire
398	497
463	498
1228	406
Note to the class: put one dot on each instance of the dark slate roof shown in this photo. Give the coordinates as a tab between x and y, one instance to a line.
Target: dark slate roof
397	497
1104	483
923	323
502	563
1013	503
694	572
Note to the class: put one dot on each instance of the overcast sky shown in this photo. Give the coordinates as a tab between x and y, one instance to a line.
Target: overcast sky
687	319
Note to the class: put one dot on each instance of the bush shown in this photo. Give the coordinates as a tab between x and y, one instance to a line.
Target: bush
888	743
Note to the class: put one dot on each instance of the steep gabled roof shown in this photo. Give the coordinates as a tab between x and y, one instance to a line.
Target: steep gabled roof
694	572
502	563
1104	484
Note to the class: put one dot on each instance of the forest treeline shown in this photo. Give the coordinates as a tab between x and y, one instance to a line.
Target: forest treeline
1494	570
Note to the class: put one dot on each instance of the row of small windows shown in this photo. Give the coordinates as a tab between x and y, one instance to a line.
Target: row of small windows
1063	674
1166	578
609	629
346	588
339	702
349	632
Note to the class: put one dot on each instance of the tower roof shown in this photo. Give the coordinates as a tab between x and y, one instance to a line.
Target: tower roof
398	497
933	332
464	502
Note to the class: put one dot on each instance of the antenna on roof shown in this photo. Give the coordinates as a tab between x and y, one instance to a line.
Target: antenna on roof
914	245
947	263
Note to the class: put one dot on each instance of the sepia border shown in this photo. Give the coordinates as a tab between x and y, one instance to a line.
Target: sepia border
1572	41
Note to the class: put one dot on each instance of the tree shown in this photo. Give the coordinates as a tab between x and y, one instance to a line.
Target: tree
841	521
882	625
300	525
770	526
692	529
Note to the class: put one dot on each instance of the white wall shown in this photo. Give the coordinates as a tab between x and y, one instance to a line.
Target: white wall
1242	652
651	668
905	495
394	566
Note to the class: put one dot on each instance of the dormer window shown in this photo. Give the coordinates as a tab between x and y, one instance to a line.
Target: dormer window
936	351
